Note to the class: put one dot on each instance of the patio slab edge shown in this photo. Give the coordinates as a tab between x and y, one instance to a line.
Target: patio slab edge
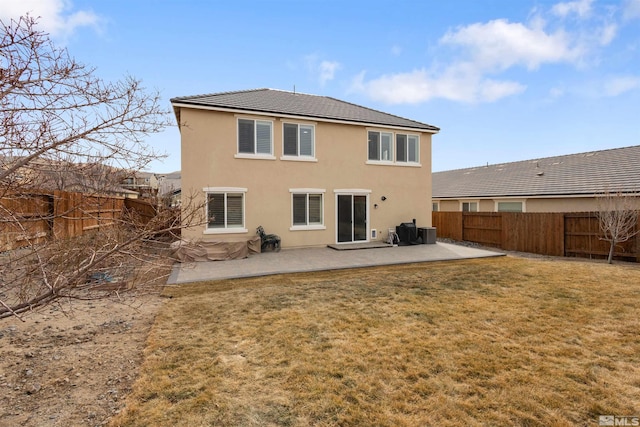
318	259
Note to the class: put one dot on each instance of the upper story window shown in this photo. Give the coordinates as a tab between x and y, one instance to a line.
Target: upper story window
255	137
407	148
381	148
298	140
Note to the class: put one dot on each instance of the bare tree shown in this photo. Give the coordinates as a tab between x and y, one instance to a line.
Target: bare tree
618	218
62	127
54	108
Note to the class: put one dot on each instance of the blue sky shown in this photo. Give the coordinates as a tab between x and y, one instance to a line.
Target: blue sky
505	80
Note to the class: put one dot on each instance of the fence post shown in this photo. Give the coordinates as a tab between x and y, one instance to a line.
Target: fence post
59	222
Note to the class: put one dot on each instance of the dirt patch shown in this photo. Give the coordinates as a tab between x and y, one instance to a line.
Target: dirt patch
73	365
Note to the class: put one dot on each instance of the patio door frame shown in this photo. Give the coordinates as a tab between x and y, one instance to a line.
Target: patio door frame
352	193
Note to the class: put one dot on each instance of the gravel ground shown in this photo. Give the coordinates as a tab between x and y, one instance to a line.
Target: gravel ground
72	365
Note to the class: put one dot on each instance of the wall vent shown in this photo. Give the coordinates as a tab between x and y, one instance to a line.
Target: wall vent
374	233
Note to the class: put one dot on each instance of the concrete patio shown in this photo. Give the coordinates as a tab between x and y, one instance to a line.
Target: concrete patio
321	259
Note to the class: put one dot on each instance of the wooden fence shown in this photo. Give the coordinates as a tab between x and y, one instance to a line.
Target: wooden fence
25	218
76	213
36	217
144	210
557	234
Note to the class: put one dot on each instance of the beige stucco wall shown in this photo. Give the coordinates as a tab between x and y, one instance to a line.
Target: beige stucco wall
559	204
209	147
449	205
486	206
581	204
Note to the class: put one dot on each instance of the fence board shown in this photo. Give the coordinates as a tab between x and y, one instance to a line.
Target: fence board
37	217
482	227
539	233
144	210
584	239
448	224
24	218
556	234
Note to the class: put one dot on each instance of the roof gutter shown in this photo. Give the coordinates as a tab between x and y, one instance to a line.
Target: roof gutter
178	105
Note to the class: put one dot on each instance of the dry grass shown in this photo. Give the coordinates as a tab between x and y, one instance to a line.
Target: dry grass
504	341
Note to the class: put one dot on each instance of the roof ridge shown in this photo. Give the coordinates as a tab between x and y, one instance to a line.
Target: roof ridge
295	92
230	92
541	158
380	112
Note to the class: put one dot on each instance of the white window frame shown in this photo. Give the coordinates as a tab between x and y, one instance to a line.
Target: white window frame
521	201
462	203
353	192
307	192
300	157
409	136
255	154
225	191
392	151
390	156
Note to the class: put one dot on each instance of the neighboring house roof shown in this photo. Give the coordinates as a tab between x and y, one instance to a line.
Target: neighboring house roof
170	183
45	174
296	104
615	170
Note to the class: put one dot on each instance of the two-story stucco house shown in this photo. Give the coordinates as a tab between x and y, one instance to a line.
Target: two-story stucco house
313	169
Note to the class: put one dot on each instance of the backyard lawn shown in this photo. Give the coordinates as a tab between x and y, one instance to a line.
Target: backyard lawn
501	341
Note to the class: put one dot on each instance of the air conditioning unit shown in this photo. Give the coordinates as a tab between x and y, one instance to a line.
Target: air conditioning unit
374	234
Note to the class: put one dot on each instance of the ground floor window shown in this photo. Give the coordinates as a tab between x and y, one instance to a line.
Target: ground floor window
469	206
225	209
510	207
307	208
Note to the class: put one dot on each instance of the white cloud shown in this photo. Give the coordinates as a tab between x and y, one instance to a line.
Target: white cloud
493	90
54	16
582	8
501	44
477	56
631	9
456	84
328	70
322	70
620	85
486	49
608	33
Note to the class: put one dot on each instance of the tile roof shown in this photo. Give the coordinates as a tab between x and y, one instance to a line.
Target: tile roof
611	170
299	104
